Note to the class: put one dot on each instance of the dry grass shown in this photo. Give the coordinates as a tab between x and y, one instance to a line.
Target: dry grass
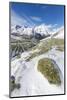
46	67
45	46
60	48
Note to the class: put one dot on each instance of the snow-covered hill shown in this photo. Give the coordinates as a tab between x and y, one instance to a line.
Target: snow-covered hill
59	33
33	82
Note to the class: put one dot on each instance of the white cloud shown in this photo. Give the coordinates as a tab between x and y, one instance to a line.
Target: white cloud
49	27
36	18
20	20
44	7
57	29
16	19
52	28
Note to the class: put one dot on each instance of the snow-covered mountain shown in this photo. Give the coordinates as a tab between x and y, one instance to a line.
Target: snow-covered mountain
26	30
42	29
37	31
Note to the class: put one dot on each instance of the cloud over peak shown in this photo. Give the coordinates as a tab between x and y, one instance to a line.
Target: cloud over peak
35	18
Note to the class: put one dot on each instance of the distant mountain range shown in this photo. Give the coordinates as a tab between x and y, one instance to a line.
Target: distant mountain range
39	32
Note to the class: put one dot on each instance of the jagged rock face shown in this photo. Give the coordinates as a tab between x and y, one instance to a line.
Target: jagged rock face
17	27
38	36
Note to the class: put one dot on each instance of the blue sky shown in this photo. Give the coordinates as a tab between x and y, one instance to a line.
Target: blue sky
36	14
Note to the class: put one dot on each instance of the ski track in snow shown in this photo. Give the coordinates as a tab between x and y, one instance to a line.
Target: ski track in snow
33	82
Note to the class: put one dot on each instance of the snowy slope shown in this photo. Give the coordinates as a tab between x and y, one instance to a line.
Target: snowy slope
59	33
32	82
